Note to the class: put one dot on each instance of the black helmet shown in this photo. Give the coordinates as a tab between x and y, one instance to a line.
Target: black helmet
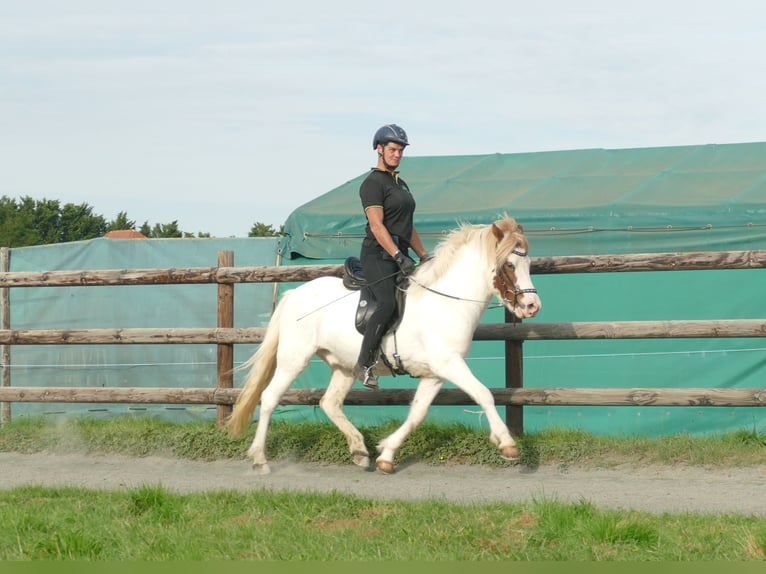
390	133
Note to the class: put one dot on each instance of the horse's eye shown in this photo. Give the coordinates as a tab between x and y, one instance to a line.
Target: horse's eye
510	266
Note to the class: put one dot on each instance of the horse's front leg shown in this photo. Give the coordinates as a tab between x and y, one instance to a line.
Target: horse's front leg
332	404
424	396
458	372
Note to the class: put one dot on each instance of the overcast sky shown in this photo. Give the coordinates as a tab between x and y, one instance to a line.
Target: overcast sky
220	114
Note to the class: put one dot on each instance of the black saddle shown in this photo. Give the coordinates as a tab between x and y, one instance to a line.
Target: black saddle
353	275
353	279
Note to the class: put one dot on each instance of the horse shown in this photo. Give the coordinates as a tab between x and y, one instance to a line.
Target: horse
445	299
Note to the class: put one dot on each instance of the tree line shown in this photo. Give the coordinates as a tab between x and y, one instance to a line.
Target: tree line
28	221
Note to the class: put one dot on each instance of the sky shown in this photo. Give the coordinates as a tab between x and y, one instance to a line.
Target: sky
221	114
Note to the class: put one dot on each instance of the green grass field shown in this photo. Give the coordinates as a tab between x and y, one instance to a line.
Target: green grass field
150	523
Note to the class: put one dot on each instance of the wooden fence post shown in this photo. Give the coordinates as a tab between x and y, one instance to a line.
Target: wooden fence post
514	378
5	323
225	378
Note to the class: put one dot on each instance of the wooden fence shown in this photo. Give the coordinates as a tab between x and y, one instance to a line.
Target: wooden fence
513	332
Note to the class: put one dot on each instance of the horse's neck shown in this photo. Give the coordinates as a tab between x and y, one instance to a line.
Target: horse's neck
467	278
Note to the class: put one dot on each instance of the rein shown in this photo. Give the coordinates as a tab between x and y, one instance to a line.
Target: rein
343	297
437	292
503	277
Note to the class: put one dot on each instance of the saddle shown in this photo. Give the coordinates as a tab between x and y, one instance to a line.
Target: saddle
354	280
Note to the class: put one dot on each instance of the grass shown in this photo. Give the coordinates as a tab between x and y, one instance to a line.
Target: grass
431	443
152	523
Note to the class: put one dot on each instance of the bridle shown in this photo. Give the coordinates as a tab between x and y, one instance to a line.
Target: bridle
505	282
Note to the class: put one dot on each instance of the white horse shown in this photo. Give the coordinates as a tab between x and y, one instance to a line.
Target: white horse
445	301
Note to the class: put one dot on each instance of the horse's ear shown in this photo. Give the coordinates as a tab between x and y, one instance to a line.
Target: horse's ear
497	232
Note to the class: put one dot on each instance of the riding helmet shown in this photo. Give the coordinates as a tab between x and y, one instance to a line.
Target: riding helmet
390	133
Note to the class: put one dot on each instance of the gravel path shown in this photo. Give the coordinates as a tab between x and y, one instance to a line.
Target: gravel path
655	489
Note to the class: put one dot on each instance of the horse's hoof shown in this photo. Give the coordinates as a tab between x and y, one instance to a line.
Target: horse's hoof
510	452
361	459
385	467
261	469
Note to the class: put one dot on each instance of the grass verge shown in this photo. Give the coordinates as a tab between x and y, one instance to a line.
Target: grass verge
431	443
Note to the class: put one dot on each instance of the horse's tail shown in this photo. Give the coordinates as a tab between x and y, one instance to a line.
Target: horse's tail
262	365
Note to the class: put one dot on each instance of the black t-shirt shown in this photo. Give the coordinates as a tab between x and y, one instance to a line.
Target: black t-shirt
382	189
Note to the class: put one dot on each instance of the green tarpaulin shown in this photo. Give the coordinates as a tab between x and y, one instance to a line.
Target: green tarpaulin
130	306
572	202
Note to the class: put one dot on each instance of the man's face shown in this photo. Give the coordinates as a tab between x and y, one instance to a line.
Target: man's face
392	153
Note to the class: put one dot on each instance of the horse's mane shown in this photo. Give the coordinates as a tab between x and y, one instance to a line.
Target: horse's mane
447	248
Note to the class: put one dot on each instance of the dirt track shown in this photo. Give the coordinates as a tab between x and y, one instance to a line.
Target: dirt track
655	489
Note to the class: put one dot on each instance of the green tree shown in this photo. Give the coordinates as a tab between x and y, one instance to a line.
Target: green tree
121	222
77	223
29	221
15	230
41	218
263	230
162	230
40	222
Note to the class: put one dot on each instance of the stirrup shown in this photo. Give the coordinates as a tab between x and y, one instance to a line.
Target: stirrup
370	381
365	375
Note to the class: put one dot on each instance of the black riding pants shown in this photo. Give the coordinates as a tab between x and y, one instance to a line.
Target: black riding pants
380	271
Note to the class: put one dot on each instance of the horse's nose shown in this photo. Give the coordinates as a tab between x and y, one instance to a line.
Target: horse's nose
533	307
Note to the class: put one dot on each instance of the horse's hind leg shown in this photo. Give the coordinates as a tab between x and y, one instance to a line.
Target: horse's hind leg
332	404
270	398
424	396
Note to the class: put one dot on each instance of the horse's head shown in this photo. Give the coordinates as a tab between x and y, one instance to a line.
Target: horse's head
512	280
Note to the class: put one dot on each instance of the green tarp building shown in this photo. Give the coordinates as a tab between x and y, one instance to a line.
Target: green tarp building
597	201
573	202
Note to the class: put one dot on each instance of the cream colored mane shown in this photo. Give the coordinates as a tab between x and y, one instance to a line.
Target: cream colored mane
446	250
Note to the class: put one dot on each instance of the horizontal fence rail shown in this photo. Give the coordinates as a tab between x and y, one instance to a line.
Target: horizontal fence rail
174	276
394	397
683	329
276	274
689	329
699	260
133	336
